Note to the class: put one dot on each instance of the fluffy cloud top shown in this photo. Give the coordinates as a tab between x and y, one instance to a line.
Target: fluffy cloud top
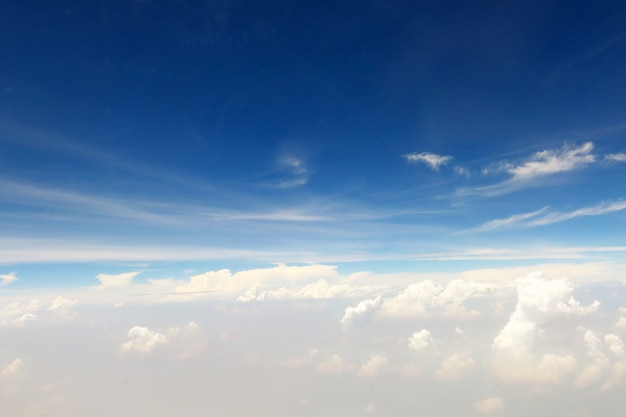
490	405
456	366
143	340
420	340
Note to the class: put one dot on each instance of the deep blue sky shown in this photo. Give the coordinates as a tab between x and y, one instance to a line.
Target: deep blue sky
284	129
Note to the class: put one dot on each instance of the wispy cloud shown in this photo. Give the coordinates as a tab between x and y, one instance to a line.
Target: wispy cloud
615	157
433	160
544	216
6	279
539	166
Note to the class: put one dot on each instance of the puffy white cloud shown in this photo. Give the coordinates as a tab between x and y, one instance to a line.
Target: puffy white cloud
143	340
363	309
6	279
19	313
61	304
491	405
375	365
117	280
224	282
420	340
456	366
316	290
335	365
13	368
433	160
599	361
538	301
422	299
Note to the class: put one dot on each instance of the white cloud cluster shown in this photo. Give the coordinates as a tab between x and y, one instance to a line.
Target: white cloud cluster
144	340
6	279
615	157
421	300
456	366
433	160
313	291
374	366
538	302
19	313
420	340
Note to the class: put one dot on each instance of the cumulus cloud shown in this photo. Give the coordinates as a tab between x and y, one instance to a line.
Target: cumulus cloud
313	291
456	366
491	405
6	279
422	299
19	313
13	368
364	309
433	160
544	216
335	365
420	340
117	280
143	340
375	365
61	304
538	301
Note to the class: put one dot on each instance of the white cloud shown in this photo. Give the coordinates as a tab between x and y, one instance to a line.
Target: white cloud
615	157
335	365
19	313
364	309
433	160
374	366
540	165
550	162
456	366
420	340
491	405
615	343
314	291
118	280
538	301
13	368
543	217
61	304
6	279
143	340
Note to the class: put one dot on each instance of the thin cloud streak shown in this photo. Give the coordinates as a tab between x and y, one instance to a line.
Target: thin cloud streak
543	217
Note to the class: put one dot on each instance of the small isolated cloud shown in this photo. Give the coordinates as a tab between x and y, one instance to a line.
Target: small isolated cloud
143	340
420	340
491	405
61	304
6	279
19	313
13	368
374	366
115	281
335	365
615	157
433	160
456	367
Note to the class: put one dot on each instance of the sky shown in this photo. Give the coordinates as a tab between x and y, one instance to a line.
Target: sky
340	208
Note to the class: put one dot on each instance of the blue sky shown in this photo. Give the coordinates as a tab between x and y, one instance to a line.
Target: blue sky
218	154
